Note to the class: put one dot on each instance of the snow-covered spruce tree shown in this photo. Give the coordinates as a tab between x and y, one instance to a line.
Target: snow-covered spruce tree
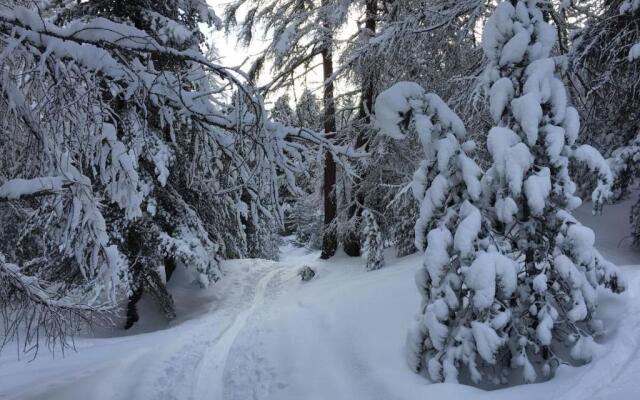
308	111
283	112
373	244
532	293
427	41
449	229
510	277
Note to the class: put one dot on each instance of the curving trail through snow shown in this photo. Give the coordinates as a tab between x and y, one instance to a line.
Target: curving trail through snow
262	334
209	383
185	361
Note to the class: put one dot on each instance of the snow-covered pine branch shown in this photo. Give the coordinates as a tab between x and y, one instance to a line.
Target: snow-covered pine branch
31	309
28	188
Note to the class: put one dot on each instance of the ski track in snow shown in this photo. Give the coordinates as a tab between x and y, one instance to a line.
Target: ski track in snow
185	362
216	355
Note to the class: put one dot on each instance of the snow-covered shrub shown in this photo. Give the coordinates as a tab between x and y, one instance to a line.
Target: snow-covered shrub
373	245
306	273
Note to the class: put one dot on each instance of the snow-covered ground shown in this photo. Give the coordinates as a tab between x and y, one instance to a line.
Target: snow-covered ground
262	334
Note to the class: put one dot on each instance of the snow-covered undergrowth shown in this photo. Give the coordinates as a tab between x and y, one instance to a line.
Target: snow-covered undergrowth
261	333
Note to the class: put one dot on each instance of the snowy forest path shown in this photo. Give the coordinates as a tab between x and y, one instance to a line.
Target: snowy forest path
310	340
184	361
210	383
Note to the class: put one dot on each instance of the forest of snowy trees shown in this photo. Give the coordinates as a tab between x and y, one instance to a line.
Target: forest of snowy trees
467	131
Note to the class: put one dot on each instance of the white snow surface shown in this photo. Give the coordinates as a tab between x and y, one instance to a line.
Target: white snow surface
260	333
16	188
634	53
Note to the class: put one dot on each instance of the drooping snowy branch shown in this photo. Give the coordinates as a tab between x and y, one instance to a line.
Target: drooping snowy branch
132	154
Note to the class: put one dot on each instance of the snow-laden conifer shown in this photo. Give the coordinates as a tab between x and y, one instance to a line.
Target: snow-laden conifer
448	231
404	229
510	277
125	158
534	292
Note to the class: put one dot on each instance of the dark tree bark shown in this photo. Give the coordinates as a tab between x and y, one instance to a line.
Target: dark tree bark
352	237
329	235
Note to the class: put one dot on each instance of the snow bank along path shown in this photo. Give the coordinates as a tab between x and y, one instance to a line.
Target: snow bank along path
262	334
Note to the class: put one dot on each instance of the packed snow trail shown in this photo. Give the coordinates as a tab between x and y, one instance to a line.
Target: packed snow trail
211	370
262	334
185	361
342	335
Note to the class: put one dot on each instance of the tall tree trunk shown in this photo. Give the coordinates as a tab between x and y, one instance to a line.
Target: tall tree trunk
329	234
352	238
